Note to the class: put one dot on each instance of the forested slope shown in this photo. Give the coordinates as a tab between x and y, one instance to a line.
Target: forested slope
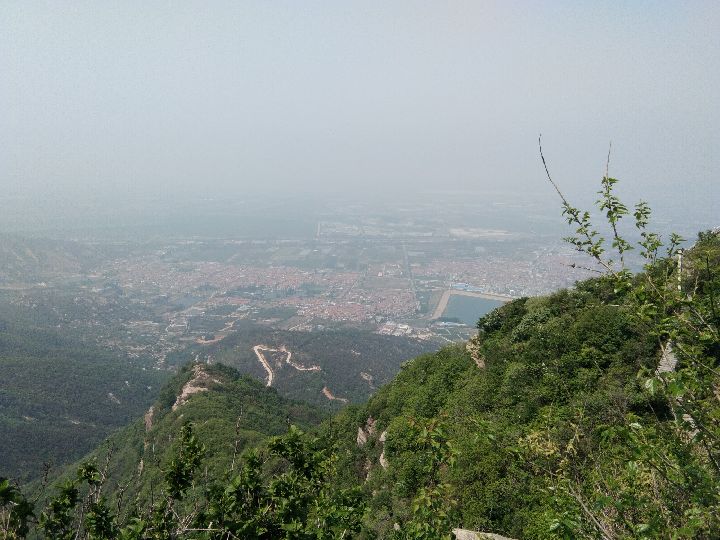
549	367
229	413
58	399
554	422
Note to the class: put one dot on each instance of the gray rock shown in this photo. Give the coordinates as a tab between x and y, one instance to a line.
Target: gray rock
464	534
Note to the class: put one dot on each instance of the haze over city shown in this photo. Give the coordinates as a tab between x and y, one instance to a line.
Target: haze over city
109	105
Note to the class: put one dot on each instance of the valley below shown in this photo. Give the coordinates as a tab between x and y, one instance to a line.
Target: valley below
327	316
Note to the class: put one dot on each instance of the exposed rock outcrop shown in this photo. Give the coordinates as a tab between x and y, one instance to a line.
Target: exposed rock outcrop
366	431
464	534
199	382
149	418
364	434
332	397
668	360
473	347
384	463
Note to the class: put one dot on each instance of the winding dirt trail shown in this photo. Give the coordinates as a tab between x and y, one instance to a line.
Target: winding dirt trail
288	360
264	362
297	366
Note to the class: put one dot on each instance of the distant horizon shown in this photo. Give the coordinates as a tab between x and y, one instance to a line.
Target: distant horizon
110	103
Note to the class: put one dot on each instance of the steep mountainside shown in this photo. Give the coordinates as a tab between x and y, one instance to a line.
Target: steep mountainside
562	419
229	412
58	399
539	367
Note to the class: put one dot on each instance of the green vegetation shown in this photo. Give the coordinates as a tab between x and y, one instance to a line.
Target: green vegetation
58	399
229	412
298	502
184	469
343	354
574	370
590	413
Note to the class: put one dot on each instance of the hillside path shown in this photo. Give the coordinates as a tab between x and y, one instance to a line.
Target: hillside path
264	362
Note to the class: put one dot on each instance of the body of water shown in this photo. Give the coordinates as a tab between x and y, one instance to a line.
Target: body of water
469	308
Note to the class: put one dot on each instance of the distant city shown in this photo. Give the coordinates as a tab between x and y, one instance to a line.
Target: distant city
404	272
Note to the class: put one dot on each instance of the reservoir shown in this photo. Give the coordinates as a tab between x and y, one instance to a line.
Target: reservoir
469	308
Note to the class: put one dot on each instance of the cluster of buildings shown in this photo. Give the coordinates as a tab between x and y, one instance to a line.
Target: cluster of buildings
176	278
152	305
358	305
539	273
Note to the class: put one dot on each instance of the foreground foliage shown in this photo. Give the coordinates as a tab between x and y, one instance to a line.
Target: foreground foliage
298	502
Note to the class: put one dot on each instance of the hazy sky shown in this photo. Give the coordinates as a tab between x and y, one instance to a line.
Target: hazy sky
127	98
